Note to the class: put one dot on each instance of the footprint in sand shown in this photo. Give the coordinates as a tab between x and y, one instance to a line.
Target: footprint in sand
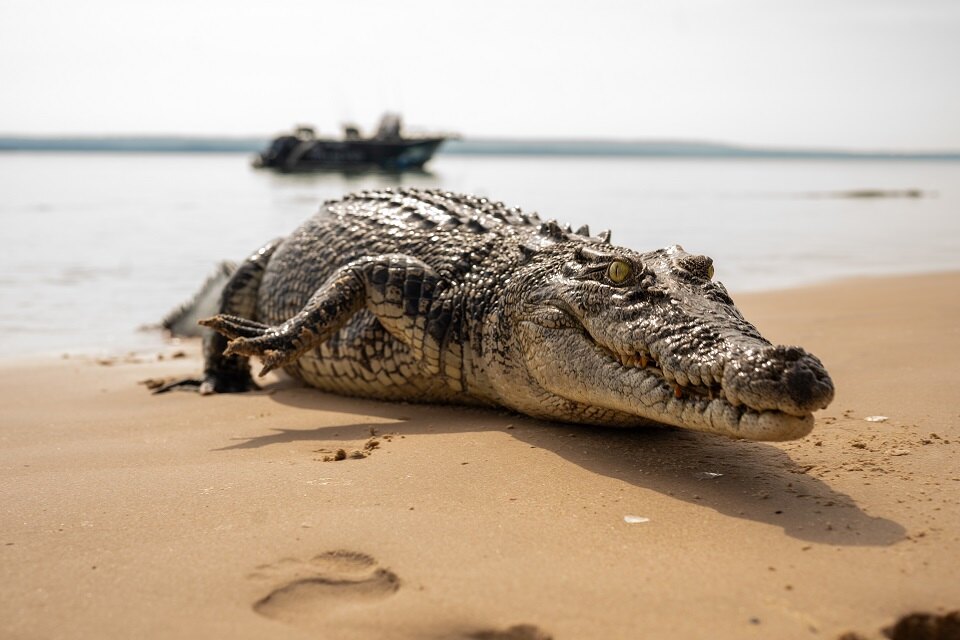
516	632
315	588
335	582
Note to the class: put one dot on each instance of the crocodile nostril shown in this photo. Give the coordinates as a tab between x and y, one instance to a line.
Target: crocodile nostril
780	353
700	266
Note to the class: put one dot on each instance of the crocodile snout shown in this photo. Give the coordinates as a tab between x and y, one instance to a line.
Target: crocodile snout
780	378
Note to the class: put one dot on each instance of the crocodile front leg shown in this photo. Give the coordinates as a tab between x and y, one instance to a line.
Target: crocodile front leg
399	290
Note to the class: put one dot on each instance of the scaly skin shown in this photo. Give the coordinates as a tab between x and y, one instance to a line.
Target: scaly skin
436	297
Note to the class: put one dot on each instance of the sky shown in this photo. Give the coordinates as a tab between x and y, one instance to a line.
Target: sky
848	74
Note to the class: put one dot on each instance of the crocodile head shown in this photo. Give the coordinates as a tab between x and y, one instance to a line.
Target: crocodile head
602	334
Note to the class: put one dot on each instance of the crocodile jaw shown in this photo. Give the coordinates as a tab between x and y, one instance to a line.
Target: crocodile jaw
574	368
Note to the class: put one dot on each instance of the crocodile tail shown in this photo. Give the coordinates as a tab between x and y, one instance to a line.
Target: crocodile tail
182	321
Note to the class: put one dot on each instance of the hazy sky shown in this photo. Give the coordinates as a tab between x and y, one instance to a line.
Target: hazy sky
838	73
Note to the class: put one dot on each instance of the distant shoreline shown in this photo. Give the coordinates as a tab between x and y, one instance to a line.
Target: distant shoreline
468	147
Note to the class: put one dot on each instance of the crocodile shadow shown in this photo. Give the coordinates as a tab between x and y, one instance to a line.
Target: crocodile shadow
756	481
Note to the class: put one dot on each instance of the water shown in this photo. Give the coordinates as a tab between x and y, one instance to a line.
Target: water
97	245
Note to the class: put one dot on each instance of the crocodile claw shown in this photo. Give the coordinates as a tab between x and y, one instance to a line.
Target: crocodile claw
235	327
271	358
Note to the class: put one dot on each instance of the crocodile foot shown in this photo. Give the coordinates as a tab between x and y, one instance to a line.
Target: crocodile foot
274	346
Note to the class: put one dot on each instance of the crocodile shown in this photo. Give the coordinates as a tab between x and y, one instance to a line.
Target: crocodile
432	296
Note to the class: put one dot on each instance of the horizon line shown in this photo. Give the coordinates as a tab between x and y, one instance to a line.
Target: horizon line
477	145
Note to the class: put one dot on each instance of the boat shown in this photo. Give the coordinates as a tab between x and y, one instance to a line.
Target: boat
388	149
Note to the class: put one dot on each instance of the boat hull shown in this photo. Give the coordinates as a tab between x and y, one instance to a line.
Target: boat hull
293	155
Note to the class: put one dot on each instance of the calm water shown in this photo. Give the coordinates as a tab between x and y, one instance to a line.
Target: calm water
97	245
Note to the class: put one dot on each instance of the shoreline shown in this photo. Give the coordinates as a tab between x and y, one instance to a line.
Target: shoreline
180	516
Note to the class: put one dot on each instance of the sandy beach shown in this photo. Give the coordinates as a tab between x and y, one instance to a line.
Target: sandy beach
126	515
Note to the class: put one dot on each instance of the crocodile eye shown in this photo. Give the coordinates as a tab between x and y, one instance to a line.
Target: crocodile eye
710	272
619	271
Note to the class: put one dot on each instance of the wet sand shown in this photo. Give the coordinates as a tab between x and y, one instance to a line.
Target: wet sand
130	515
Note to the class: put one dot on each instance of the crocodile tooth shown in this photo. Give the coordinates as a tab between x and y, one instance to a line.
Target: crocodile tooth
644	361
706	375
716	370
677	391
733	399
